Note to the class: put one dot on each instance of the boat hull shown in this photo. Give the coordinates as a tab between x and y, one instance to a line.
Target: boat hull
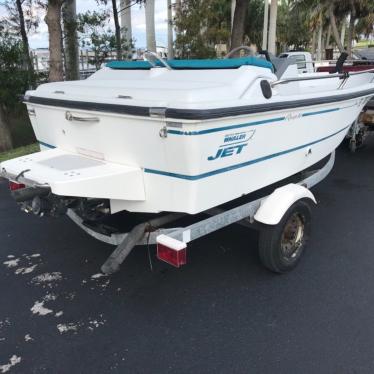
277	147
193	165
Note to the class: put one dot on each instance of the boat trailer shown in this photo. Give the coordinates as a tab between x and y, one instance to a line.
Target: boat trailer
282	218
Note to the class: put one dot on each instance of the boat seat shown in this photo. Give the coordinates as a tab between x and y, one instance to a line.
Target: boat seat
230	63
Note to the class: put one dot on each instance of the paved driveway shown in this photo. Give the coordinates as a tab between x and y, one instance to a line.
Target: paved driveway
222	313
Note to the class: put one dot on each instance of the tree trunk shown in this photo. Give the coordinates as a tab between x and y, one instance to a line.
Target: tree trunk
335	31
313	47
328	37
237	33
351	29
266	25
177	13
117	28
71	40
233	6
342	32
319	42
150	25
178	5
53	21
170	31
25	40
126	27
273	27
5	137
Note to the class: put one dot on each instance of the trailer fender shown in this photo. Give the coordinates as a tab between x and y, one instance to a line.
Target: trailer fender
274	206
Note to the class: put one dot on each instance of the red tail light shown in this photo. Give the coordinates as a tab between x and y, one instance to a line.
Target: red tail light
13	186
171	251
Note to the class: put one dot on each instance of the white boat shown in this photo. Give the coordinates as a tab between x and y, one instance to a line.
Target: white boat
184	136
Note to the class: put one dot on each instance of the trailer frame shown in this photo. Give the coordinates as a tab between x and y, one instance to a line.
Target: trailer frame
147	232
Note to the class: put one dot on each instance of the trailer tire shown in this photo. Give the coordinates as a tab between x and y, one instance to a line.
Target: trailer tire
281	246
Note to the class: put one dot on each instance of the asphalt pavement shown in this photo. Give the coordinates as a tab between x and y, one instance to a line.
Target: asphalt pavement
221	313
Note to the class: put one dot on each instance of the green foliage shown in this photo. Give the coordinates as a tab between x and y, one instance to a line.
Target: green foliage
293	28
312	9
18	152
202	24
30	14
365	24
14	77
96	35
254	22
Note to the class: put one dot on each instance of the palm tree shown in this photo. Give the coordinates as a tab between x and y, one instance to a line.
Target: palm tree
25	40
233	6
237	32
317	22
117	28
177	14
365	24
332	16
150	25
273	26
126	27
326	8
357	9
170	30
353	10
266	24
343	22
53	21
69	16
319	40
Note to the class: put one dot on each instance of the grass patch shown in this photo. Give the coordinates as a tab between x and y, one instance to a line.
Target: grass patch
18	152
363	44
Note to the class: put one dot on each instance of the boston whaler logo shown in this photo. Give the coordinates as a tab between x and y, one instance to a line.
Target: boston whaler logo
233	144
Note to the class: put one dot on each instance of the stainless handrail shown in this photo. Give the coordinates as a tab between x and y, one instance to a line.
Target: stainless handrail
70	117
327	76
346	61
298	79
157	57
361	72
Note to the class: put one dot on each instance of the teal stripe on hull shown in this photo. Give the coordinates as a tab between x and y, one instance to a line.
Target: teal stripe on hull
320	112
238	166
248	124
46	144
225	128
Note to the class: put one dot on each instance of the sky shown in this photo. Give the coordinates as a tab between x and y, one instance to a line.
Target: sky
40	38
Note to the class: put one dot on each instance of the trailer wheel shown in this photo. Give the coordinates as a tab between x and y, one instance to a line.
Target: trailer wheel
281	245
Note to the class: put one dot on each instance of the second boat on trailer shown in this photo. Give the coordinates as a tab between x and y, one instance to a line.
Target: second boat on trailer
179	136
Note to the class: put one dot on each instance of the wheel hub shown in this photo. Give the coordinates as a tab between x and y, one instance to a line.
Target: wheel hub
292	237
